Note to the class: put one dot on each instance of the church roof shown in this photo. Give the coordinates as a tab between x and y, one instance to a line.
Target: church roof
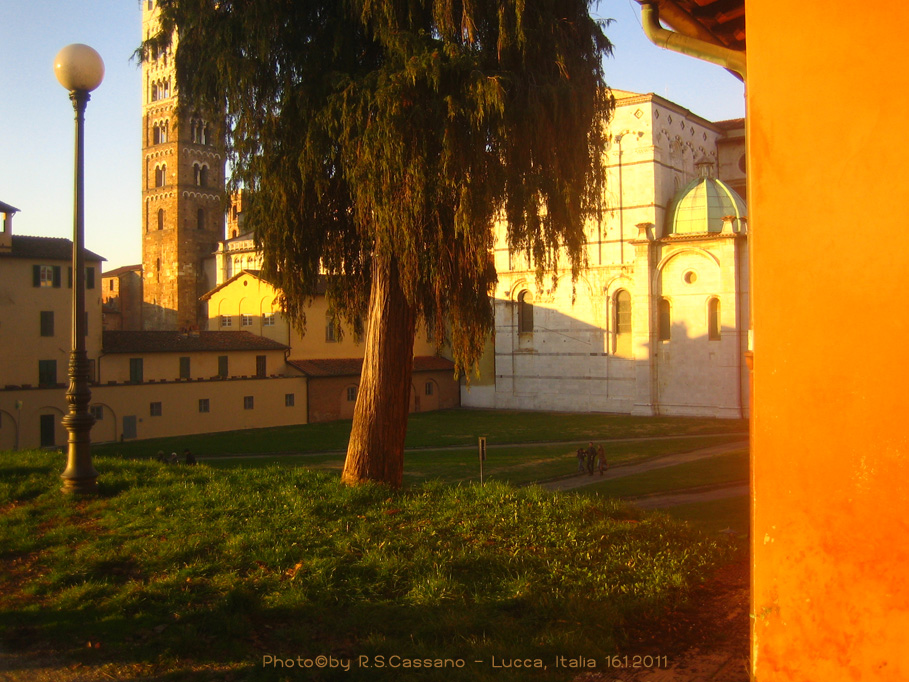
700	206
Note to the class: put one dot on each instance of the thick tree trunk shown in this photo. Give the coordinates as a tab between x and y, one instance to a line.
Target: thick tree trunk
376	448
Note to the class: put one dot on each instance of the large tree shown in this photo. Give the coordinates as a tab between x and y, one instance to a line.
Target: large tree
382	139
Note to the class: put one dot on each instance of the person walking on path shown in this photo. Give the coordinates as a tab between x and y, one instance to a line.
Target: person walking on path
581	456
591	455
601	459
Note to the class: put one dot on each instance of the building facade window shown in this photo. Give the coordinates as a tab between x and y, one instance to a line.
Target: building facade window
248	402
204	405
331	330
713	319
135	370
46	276
246	320
222	366
185	368
47	323
525	312
47	372
97	412
268	320
226	321
429	389
665	321
351	394
288	400
154	409
622	323
261	366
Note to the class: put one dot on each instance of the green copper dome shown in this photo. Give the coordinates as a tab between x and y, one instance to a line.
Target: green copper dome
701	205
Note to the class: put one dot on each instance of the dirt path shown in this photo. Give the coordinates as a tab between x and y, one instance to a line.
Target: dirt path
581	480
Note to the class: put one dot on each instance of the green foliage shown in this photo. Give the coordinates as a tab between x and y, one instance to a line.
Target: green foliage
184	568
403	128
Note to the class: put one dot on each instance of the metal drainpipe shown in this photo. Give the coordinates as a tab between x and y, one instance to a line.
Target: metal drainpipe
734	60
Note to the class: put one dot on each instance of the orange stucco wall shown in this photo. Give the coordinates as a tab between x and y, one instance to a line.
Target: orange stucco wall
828	96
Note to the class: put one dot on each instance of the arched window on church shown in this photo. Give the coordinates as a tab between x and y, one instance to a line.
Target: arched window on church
167	88
713	319
161	175
156	134
622	323
665	321
164	127
197	174
525	312
203	176
160	218
200	219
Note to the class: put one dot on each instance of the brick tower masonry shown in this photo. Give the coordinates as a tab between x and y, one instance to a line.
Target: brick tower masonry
182	195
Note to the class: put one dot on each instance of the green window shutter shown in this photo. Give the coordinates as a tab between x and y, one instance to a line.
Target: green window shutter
89	278
36	275
57	276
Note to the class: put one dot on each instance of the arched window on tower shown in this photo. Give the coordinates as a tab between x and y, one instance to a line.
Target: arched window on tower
161	175
713	319
197	174
164	126
206	136
665	321
203	176
160	218
525	312
200	219
156	134
622	323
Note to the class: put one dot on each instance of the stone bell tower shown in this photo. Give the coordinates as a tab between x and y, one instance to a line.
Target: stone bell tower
182	194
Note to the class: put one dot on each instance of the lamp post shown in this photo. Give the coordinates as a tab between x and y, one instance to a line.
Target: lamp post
80	70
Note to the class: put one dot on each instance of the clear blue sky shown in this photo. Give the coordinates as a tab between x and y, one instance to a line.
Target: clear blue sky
36	116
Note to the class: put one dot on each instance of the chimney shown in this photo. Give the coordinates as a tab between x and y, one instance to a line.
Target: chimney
6	234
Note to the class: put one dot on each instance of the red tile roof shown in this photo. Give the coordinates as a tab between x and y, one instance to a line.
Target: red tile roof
122	270
180	342
45	248
351	367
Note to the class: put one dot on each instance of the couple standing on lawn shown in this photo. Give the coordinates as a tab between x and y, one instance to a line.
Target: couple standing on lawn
591	454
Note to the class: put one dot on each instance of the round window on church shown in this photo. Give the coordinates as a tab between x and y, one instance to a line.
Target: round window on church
690	277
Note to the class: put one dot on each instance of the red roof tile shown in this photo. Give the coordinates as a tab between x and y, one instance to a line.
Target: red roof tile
351	367
180	342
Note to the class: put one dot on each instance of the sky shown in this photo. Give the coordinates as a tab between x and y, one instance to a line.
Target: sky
37	120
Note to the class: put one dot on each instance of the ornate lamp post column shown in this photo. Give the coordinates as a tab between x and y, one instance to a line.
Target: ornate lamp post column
80	70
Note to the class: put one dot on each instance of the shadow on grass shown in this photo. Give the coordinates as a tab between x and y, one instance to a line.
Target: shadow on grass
362	642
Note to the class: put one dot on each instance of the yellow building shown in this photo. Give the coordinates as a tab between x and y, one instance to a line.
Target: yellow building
161	383
35	331
327	353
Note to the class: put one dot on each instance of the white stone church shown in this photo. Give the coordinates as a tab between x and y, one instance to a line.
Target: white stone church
659	320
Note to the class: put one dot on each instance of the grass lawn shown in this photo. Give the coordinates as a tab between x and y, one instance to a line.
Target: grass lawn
716	515
188	573
457	427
